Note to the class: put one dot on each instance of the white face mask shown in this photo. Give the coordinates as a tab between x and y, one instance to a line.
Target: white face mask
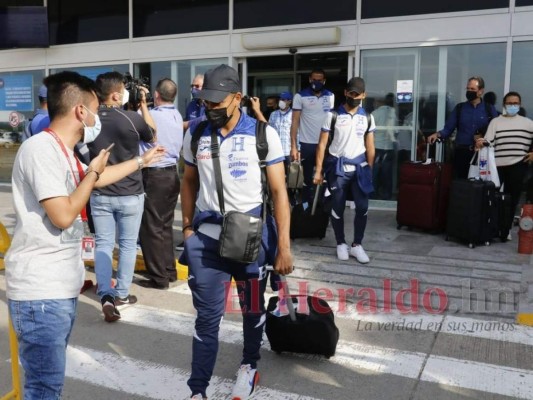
90	133
282	105
125	97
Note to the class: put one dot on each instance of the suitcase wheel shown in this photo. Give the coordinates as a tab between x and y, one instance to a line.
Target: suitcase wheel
398	227
471	245
487	243
446	238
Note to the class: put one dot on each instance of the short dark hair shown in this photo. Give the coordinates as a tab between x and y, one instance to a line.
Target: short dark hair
67	89
490	97
108	83
167	89
512	94
318	71
480	81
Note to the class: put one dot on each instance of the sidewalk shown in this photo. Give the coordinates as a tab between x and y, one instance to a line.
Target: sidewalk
487	282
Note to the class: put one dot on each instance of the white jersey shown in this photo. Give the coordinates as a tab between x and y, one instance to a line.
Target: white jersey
239	162
349	137
313	110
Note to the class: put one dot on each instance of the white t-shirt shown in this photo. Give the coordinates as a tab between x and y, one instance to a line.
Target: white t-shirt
349	137
43	262
313	110
239	163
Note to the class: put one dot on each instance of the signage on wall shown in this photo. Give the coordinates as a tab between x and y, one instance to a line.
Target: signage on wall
404	91
16	93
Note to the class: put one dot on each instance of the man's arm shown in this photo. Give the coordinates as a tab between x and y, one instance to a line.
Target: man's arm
282	215
114	173
146	114
370	148
320	153
188	192
256	108
295	125
62	211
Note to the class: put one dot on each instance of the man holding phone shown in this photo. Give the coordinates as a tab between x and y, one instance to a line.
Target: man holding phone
118	206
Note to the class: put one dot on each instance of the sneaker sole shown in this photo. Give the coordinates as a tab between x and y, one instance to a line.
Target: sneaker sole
109	314
256	380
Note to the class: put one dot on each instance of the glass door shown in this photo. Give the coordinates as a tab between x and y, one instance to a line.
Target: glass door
392	78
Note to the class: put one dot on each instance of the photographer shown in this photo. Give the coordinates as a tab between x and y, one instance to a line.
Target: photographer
121	204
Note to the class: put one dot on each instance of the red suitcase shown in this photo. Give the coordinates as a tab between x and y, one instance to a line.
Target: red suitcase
423	193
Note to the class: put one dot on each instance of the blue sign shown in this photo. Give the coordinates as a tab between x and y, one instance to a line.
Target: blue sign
16	93
405	97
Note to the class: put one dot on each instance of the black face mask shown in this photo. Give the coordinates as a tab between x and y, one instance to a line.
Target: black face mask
471	95
352	103
217	117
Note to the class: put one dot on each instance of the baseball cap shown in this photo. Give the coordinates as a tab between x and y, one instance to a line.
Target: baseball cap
356	84
285	96
218	83
43	92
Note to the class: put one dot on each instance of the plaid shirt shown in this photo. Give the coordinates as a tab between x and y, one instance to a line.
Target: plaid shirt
281	122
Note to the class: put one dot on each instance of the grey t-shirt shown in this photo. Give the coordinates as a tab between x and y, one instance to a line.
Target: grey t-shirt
43	262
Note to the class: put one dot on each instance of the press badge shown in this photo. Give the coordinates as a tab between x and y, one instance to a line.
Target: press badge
87	243
87	248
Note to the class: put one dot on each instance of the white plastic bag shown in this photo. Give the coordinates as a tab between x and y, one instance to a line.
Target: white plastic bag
483	166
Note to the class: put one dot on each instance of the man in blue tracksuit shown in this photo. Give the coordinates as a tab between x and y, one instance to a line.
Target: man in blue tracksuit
209	273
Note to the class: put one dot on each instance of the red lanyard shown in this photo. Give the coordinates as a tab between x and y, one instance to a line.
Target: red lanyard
81	172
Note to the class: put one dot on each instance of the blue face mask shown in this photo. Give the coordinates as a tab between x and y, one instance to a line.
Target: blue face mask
194	91
317	85
90	133
512	110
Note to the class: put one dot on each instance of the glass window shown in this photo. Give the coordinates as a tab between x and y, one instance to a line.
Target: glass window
394	8
522	64
182	72
404	95
87	21
22	3
18	101
257	13
167	17
93	72
519	3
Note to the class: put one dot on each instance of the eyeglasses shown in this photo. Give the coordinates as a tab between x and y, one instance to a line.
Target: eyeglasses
512	104
195	86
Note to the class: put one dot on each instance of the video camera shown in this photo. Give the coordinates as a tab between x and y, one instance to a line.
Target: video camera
133	86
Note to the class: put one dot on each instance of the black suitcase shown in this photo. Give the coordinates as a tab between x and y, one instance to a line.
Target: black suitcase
472	211
314	332
310	221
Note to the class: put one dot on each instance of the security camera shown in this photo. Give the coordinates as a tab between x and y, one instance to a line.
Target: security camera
293	50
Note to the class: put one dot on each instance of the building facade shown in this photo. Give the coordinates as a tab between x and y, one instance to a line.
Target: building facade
419	51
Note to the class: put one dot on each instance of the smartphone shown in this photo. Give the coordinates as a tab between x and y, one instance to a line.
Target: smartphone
109	147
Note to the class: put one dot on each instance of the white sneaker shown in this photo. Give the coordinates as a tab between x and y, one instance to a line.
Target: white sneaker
342	252
247	379
509	237
359	253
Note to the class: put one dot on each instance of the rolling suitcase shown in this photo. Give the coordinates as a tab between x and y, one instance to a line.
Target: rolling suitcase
472	212
310	329
505	215
310	222
423	193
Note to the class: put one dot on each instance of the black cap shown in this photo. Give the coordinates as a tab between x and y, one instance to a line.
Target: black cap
356	84
218	83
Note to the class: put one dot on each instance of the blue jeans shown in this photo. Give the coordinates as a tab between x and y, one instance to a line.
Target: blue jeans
43	328
123	213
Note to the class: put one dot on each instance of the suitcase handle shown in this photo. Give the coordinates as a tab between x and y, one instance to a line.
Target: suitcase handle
439	150
290	305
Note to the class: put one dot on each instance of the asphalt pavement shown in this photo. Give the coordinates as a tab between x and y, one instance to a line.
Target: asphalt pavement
425	319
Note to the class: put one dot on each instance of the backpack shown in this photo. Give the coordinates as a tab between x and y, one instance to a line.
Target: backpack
459	107
334	115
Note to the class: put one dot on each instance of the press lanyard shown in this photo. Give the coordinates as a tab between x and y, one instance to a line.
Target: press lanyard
81	173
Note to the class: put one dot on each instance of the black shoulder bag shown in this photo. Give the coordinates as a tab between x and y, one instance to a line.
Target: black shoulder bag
240	238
